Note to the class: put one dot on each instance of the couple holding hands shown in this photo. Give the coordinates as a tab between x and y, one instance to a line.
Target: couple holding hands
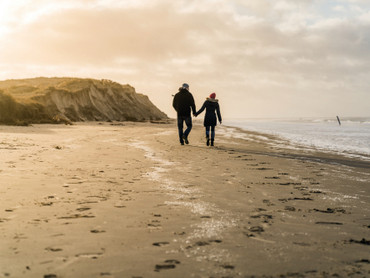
183	102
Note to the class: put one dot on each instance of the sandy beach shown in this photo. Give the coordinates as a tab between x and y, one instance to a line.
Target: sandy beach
127	200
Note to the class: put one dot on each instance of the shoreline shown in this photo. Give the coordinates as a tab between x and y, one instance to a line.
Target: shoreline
322	139
127	200
294	150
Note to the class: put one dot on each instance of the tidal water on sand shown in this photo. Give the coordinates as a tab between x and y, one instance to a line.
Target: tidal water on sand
350	136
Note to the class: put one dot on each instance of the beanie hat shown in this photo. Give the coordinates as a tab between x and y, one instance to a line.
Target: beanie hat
213	95
185	86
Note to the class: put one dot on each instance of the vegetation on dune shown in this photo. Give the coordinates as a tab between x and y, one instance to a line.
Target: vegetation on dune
27	88
15	113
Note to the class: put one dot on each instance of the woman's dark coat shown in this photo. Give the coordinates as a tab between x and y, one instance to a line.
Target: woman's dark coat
212	107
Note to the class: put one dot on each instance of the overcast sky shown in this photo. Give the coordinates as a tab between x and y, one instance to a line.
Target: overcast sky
263	58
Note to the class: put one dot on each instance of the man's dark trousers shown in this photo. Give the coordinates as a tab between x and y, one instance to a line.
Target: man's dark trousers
180	125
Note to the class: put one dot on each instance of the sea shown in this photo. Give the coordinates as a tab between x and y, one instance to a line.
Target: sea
349	137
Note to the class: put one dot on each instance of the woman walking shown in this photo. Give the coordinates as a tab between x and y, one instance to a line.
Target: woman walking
210	121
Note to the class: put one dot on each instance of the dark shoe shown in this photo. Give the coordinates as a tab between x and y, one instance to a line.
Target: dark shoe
212	143
185	139
207	141
182	143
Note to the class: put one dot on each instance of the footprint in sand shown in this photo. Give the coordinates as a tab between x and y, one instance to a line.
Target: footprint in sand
227	266
302	243
329	223
266	217
179	233
52	249
161	243
330	210
317	192
19	236
201	243
267	202
105	274
256	229
96	231
215	240
289	208
76	216
289	183
119	205
260	209
83	209
155	224
46	204
89	255
159	267
168	264
362	241
301	199
272	178
204	243
284	200
50	276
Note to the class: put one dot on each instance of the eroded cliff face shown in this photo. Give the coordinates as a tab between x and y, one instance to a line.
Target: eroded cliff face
72	99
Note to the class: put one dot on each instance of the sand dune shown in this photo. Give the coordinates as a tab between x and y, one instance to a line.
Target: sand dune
52	100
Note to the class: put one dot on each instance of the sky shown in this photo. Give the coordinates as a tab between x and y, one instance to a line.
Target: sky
262	58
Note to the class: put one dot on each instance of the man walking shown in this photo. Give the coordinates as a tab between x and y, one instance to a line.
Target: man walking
183	102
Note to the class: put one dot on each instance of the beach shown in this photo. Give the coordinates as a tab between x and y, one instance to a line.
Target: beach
125	199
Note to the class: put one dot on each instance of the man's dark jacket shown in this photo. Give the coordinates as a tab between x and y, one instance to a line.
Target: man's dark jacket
183	102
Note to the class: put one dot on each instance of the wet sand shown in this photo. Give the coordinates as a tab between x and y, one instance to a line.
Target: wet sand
127	200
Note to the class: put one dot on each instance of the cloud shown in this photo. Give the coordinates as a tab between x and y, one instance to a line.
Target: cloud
286	52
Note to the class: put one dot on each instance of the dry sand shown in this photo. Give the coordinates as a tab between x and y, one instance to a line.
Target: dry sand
127	200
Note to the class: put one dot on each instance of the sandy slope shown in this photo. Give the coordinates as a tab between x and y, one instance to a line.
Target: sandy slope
65	100
115	200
